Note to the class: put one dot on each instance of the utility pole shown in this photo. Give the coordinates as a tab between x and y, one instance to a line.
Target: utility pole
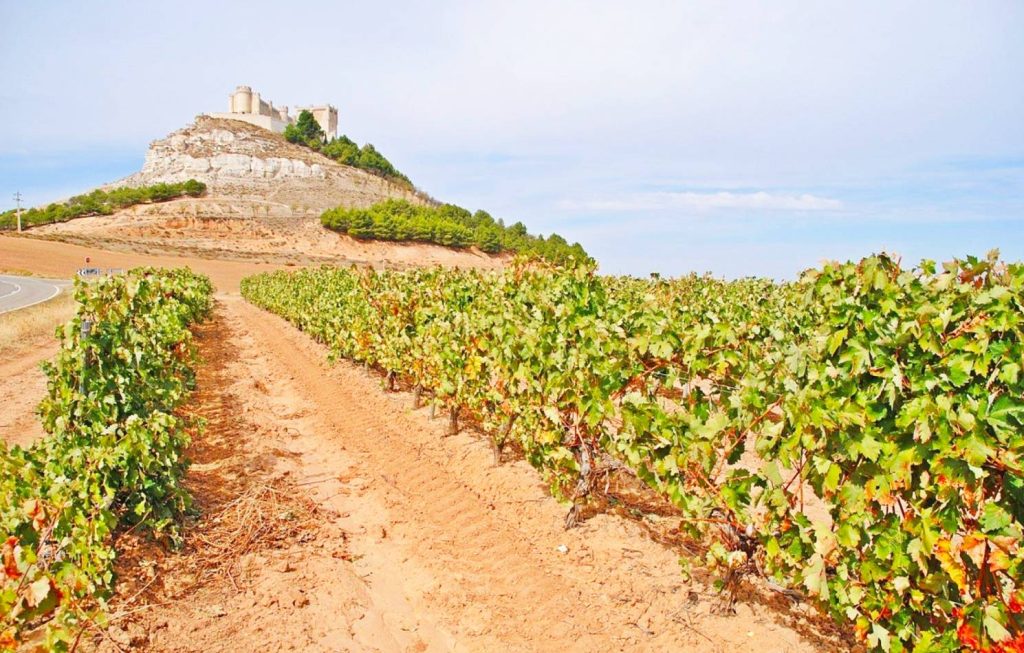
17	199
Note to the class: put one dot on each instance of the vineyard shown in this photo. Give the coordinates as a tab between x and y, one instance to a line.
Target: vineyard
113	455
891	399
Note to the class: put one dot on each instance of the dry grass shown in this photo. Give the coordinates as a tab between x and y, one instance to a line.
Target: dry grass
16	272
27	327
265	516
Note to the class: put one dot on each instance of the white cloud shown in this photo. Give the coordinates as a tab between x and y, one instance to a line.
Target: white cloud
743	106
757	201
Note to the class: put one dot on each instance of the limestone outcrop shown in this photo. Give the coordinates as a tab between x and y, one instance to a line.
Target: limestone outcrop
242	164
263	203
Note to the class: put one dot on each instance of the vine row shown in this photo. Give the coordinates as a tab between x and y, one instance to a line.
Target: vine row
856	435
112	457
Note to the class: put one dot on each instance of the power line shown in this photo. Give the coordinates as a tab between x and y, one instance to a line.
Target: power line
17	200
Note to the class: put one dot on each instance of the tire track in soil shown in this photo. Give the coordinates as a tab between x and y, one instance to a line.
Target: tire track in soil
293	587
470	552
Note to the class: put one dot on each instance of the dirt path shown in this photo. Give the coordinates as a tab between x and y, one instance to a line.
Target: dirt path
22	385
422	544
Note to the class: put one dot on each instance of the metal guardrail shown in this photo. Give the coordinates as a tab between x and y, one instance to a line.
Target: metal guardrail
92	273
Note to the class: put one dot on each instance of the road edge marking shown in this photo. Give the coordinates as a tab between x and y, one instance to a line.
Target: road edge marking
11	294
56	291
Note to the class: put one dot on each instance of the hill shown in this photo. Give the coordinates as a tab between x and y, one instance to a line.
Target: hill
263	201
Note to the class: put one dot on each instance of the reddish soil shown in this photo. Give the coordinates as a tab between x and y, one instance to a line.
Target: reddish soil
405	540
332	516
61	260
205	249
187	228
22	385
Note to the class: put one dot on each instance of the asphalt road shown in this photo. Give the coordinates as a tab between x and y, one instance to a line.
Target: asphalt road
22	292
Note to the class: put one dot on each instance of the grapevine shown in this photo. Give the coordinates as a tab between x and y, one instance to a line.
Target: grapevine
892	397
112	456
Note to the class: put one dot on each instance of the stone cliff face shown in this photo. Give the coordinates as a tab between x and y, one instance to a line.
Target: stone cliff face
243	163
263	203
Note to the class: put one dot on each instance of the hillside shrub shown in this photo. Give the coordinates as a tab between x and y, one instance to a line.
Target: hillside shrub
448	225
100	202
307	132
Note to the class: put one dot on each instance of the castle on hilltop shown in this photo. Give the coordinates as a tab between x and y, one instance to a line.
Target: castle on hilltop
247	105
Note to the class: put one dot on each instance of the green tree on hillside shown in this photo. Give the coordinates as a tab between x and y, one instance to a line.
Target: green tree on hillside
487	238
372	160
306	131
448	225
343	150
361	225
101	202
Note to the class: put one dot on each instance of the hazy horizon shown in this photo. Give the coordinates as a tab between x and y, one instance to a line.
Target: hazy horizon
740	139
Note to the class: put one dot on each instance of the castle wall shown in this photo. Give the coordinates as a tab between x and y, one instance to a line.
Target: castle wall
262	108
328	119
266	122
326	116
247	105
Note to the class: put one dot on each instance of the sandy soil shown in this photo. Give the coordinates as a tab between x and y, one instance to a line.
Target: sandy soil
61	260
264	567
26	340
22	385
332	516
194	227
421	543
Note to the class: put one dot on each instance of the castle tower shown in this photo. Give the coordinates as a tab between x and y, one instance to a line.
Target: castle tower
246	105
241	100
326	116
331	118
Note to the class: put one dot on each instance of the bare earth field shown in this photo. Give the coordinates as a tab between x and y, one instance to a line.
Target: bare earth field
195	228
22	385
61	260
417	542
333	516
26	340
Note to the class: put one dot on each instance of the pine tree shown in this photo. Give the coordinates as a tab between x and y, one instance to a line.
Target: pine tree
305	131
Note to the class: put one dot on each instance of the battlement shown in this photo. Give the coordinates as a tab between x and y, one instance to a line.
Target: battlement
247	105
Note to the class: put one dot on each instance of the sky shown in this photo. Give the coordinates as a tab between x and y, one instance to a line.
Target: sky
738	138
